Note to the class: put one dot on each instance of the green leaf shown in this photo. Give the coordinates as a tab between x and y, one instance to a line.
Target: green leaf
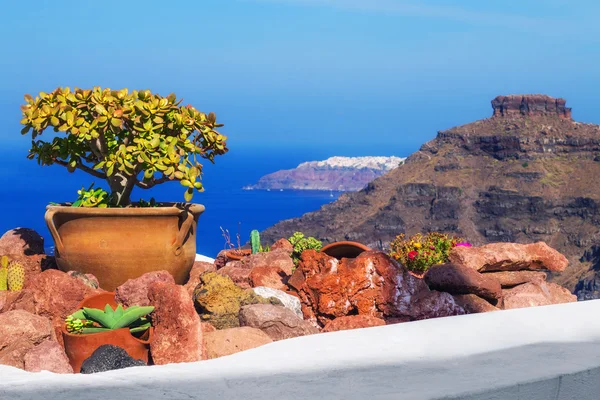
80	314
185	182
131	315
119	311
94	330
100	317
188	195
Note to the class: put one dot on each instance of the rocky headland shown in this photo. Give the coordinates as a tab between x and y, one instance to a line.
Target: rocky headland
529	173
345	174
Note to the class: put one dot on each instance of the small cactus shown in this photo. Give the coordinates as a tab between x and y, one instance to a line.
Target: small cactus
15	277
255	241
3	273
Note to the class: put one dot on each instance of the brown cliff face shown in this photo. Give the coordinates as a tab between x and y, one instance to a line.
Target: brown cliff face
531	105
527	174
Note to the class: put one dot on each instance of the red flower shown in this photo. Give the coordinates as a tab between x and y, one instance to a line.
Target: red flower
412	255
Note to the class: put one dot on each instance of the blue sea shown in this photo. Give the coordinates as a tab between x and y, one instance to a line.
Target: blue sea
27	188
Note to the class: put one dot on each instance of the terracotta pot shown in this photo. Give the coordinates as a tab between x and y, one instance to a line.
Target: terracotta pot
117	244
79	347
341	250
236	255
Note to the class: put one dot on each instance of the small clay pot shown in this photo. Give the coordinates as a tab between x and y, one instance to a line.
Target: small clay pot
79	347
341	250
237	254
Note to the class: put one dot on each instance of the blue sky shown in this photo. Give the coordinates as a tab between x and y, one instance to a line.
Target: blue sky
369	77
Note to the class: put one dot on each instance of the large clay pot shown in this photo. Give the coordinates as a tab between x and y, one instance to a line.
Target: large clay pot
117	244
80	347
341	250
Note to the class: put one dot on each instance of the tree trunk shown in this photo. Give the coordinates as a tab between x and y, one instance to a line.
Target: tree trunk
121	187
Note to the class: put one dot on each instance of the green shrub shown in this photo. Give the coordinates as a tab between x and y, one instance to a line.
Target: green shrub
136	139
419	252
301	243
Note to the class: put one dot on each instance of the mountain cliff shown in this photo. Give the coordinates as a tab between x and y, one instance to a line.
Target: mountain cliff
528	173
335	173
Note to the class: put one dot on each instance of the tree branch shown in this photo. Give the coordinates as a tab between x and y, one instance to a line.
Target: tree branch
153	182
84	168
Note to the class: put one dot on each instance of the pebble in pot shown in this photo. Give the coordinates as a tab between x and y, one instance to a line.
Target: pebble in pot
107	358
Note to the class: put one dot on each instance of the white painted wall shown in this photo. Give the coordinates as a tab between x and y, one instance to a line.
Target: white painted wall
538	353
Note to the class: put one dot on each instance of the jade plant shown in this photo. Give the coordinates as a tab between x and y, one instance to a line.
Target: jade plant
301	243
12	275
129	139
93	320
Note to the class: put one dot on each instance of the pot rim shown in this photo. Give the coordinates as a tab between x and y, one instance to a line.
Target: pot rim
170	209
346	243
83	335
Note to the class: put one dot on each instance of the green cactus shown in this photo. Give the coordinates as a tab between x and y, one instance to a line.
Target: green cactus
4	262
93	320
3	276
15	277
255	241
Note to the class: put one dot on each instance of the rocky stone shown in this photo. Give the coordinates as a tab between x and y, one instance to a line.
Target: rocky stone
20	333
107	358
290	302
509	257
434	304
273	277
474	304
198	269
177	331
352	322
238	272
229	341
370	284
48	356
510	279
53	294
88	279
535	294
221	260
134	292
276	321
7	299
21	242
530	105
283	244
458	279
218	300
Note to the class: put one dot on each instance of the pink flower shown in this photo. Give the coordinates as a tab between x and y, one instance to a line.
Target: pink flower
463	244
412	255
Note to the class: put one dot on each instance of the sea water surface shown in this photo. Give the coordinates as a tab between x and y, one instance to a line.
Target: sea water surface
26	188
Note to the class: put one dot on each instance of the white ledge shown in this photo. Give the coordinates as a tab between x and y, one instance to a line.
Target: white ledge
540	353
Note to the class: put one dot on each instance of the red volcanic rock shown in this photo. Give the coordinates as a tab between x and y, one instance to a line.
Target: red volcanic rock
21	332
221	259
531	105
233	340
134	292
7	299
352	322
276	321
53	294
370	284
509	257
458	279
268	263
474	304
177	329
283	244
272	277
238	272
536	294
48	356
198	269
21	242
509	279
89	279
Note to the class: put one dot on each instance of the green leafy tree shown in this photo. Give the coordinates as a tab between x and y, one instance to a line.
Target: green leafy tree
136	139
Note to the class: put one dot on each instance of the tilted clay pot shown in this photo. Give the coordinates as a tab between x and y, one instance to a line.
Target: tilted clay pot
341	250
80	347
